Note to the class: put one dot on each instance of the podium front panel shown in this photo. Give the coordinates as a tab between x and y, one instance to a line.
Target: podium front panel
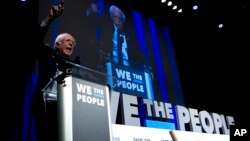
84	111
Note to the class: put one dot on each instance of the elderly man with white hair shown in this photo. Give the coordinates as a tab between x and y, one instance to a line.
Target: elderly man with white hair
119	39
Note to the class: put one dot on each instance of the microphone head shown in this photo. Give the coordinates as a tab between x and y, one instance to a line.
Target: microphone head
77	60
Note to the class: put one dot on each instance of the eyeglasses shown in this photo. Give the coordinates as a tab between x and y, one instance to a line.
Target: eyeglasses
70	41
118	16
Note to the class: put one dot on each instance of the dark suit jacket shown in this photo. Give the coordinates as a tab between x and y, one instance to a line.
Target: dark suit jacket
97	43
136	57
47	62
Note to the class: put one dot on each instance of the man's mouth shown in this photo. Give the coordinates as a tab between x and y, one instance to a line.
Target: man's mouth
69	49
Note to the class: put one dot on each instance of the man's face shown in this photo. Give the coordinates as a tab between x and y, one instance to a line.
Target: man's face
66	46
117	18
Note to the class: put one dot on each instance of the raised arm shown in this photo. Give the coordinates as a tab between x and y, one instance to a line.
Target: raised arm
54	12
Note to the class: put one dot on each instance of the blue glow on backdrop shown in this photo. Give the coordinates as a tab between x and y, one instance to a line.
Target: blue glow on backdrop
158	60
173	66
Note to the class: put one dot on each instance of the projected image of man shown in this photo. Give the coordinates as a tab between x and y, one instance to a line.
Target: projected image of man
119	39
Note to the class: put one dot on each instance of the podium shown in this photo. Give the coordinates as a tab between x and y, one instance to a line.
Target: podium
84	106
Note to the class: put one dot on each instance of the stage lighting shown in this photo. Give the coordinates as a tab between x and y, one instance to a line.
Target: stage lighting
174	7
195	7
179	11
163	1
170	3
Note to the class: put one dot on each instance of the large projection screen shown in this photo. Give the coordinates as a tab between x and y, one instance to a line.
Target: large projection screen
89	21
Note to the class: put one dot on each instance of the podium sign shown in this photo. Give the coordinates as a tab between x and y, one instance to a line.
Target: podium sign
129	80
84	110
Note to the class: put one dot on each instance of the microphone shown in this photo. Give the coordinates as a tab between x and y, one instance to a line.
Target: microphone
77	60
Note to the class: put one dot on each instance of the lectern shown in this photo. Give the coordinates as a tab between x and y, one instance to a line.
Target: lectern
84	106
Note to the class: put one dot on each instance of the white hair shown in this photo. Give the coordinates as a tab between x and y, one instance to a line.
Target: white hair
113	8
59	38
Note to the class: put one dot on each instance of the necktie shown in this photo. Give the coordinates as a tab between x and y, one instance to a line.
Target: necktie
119	45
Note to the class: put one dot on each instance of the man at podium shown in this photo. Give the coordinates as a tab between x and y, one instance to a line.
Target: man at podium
51	64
